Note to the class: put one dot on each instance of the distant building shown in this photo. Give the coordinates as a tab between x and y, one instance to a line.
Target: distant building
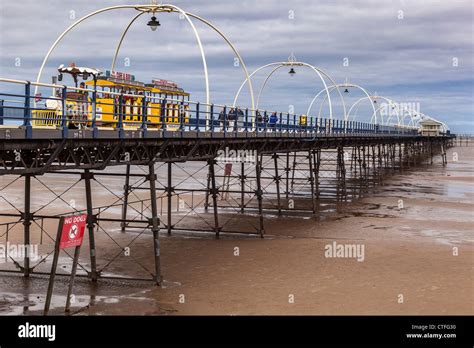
431	128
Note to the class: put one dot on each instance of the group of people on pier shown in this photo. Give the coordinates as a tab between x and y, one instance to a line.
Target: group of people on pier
235	118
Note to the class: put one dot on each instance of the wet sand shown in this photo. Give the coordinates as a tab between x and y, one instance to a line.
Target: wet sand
408	252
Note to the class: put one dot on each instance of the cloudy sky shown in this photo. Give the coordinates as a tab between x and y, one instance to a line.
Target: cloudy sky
417	51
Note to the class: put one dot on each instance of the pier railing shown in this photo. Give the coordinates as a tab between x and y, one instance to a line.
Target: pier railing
100	109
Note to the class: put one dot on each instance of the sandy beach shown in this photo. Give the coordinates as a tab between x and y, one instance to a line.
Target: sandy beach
417	259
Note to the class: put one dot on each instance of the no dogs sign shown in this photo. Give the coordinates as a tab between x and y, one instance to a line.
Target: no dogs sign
70	234
73	231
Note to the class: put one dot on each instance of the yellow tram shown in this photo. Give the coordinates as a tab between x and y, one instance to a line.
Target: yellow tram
109	107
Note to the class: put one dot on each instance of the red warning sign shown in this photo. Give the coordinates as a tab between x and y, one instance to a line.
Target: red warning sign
72	232
228	169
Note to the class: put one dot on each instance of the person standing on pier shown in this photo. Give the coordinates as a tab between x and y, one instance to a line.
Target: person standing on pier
273	121
222	120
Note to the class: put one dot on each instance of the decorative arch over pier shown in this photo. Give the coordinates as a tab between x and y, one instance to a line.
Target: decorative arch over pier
162	8
291	62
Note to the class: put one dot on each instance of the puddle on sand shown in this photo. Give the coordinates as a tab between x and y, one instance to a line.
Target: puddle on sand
33	304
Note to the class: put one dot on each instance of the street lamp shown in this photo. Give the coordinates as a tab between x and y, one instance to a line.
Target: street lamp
153	24
292	72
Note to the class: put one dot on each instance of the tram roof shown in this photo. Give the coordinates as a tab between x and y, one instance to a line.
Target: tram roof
109	82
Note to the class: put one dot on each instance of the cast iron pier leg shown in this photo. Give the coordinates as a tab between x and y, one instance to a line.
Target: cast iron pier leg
26	223
277	181
126	191
213	192
259	193
91	219
317	165
311	181
169	191
208	188
242	186
287	175
155	223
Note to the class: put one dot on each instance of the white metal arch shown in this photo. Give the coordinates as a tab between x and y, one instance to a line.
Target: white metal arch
284	65
142	8
257	104
387	122
337	86
244	67
391	103
152	9
249	79
318	71
405	114
112	66
372	98
212	26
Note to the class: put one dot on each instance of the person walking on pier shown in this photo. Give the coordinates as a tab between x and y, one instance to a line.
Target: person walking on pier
239	120
222	120
272	122
232	117
260	121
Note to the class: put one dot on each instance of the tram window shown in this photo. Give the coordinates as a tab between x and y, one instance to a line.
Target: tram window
105	93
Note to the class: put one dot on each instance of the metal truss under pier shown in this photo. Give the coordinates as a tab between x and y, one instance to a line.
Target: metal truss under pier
134	188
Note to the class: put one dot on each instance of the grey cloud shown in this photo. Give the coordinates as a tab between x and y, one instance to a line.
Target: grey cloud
386	54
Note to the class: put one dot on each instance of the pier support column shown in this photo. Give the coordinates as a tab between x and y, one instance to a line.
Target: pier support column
341	175
443	154
400	158
406	156
287	176
259	193
415	159
277	178
317	166
154	222
169	192
353	169
365	169
214	192
126	192
311	180
361	173
392	157
293	169
242	187
208	188
91	220
374	166
27	217
380	164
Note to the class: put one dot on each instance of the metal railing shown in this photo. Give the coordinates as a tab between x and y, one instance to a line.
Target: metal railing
100	109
